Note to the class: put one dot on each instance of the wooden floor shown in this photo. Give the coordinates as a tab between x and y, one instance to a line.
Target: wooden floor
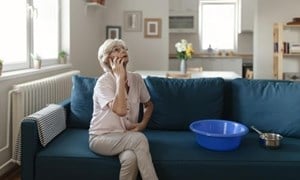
14	174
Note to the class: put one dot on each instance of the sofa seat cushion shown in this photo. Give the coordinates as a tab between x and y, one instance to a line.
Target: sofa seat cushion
178	102
271	106
177	151
69	157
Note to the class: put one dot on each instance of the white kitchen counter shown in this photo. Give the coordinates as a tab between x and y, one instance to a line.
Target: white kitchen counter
202	74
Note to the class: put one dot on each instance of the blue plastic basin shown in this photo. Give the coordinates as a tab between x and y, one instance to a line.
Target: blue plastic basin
219	135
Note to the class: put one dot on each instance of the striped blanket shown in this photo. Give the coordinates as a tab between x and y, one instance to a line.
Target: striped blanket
50	120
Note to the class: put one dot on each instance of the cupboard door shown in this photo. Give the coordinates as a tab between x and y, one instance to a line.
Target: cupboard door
183	5
247	15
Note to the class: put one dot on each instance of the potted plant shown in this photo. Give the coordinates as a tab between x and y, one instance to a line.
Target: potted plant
37	62
62	55
1	66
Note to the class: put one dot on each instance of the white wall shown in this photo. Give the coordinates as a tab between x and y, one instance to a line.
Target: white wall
144	53
86	34
268	13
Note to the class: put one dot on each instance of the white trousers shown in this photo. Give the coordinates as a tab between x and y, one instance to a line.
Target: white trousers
133	151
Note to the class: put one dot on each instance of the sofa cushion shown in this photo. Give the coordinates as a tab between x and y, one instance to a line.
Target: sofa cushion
69	157
81	101
178	102
271	106
177	151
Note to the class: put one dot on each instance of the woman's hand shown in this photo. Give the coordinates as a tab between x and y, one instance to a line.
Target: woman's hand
137	127
119	104
118	68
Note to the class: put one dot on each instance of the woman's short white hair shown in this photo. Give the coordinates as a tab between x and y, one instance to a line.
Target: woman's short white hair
105	49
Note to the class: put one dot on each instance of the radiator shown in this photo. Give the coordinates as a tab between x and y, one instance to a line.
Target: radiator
30	97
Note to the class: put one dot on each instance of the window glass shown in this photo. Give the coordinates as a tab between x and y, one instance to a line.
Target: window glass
45	28
29	27
13	32
218	25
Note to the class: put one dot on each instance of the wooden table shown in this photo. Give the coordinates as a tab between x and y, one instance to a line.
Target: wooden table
191	74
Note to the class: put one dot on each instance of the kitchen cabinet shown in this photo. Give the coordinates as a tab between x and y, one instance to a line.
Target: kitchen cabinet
183	16
183	22
183	5
247	12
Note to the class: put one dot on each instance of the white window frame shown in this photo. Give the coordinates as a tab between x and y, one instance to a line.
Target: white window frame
236	21
28	63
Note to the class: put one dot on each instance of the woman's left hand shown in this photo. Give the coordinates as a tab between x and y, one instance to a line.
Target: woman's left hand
137	127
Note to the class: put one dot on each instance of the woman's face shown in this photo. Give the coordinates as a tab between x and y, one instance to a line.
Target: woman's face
119	52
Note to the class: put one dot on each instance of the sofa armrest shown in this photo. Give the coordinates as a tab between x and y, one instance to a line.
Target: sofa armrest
30	146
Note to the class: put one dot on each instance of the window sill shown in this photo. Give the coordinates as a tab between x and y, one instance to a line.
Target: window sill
28	72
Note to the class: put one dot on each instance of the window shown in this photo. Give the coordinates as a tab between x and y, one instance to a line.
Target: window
218	24
29	27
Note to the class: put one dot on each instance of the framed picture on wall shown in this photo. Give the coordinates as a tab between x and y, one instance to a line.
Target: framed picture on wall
113	32
133	21
152	28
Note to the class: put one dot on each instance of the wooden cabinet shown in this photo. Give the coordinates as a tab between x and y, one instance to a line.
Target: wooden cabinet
285	39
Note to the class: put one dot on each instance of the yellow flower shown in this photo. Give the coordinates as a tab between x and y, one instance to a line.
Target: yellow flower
189	50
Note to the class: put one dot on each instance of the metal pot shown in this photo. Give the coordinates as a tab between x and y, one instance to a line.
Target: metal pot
269	140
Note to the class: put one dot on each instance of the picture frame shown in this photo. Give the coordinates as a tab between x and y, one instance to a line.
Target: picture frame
113	32
152	28
133	21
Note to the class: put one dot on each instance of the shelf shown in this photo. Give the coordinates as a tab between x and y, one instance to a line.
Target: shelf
205	55
280	47
292	55
94	4
290	26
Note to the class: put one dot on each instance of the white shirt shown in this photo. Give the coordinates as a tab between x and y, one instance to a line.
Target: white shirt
104	120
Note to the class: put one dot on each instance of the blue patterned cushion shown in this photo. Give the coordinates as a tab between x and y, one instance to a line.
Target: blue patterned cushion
178	102
271	106
82	101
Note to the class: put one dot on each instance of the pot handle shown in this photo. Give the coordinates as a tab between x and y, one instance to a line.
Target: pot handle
258	131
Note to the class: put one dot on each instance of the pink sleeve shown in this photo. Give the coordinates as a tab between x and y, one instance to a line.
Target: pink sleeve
144	93
104	91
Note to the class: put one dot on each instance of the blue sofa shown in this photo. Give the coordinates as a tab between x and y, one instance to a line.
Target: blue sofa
271	106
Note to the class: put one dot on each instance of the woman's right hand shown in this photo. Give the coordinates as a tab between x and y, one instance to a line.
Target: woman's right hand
118	68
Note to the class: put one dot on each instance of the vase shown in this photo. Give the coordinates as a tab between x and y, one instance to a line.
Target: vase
183	66
37	64
62	60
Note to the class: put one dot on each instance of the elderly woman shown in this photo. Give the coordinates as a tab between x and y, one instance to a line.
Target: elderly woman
114	128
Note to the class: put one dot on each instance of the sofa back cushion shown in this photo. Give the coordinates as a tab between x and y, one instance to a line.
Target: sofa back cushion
178	102
81	108
271	106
